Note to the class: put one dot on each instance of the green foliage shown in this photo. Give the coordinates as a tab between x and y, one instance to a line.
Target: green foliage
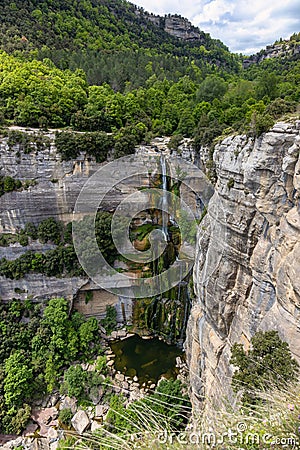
175	141
48	92
260	123
62	260
266	365
30	230
101	365
65	416
16	420
18	379
88	332
49	230
74	381
97	144
212	87
146	81
267	85
167	402
34	354
84	385
9	184
114	42
26	142
110	320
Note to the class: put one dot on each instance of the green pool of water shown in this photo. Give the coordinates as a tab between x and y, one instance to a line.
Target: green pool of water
148	359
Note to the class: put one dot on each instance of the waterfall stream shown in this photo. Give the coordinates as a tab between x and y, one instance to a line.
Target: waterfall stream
164	206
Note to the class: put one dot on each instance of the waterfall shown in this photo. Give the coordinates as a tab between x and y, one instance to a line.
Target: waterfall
164	206
187	304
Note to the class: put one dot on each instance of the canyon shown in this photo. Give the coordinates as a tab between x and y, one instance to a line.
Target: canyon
246	271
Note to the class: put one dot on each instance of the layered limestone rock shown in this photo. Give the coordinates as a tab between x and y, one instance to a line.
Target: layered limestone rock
246	275
56	186
182	29
38	287
175	25
289	49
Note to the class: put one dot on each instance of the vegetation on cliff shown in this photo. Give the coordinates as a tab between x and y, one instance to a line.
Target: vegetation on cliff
268	362
37	346
113	41
104	70
59	261
106	66
156	421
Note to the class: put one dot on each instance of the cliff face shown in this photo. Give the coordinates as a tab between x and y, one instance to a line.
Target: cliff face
289	50
246	275
177	26
56	184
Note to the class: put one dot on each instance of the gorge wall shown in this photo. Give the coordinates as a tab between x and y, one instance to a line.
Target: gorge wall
52	186
246	273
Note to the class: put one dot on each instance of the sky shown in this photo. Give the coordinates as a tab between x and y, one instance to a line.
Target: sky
244	26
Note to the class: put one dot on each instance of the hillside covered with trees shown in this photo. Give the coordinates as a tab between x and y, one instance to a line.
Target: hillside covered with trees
113	41
109	66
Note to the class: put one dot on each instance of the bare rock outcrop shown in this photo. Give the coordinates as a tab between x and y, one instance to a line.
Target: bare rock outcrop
289	49
247	270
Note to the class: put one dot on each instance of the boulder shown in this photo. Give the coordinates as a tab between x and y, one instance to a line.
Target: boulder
95	426
80	421
101	410
70	403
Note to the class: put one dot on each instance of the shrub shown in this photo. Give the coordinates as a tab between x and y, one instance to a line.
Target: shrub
175	141
260	123
9	184
65	416
268	363
23	240
49	230
110	320
31	230
96	144
101	365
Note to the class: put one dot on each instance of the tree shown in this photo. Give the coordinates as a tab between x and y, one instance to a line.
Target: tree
49	230
267	85
260	123
212	87
18	379
74	381
267	364
88	332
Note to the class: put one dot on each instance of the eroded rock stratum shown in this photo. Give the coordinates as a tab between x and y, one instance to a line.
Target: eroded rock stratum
246	274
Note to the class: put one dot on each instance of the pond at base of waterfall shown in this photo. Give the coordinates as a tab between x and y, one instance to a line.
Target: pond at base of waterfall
148	359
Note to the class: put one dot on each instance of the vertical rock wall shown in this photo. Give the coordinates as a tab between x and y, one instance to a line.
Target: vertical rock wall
247	270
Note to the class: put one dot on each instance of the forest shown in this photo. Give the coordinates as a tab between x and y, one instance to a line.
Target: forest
38	94
107	67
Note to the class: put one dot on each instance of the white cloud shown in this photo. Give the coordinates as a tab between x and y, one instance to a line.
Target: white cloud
244	26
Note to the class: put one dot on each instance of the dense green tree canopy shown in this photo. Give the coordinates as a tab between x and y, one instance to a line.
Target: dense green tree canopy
35	350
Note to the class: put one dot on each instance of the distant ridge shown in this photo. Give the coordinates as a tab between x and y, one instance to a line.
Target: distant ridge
280	49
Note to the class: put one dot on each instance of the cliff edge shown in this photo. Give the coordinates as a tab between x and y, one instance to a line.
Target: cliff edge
246	273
